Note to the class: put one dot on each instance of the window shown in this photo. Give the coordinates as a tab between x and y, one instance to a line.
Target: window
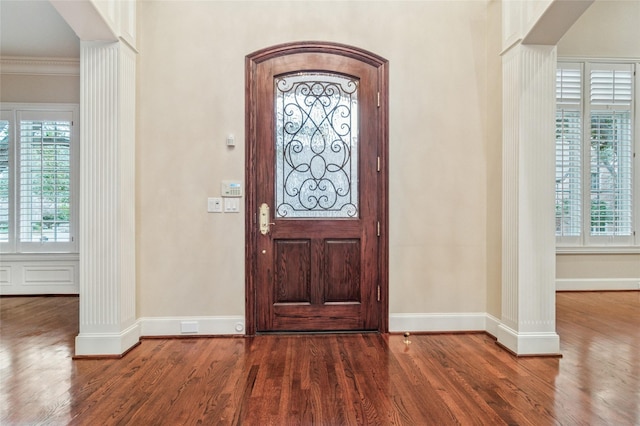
38	179
596	195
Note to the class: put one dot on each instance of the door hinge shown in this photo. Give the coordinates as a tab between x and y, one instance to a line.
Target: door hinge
378	293
378	228
378	163
378	99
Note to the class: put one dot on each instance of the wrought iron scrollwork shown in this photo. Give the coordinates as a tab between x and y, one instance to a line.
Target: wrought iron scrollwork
317	128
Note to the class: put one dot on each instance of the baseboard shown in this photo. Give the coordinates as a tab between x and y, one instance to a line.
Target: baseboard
529	343
597	284
437	322
103	344
192	326
492	325
521	344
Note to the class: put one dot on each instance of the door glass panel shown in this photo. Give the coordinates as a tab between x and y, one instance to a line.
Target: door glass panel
316	146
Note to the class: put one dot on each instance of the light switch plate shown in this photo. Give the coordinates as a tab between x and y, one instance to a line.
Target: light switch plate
214	205
231	205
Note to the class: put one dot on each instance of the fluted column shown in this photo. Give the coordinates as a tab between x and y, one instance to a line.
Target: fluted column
528	238
107	199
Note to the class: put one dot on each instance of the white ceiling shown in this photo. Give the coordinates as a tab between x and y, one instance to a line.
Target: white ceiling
33	28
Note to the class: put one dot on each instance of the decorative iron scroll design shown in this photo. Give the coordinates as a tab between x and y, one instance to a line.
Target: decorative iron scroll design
316	146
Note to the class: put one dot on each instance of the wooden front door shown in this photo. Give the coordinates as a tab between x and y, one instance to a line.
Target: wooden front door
316	189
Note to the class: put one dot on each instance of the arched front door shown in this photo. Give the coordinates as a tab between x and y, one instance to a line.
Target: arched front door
316	221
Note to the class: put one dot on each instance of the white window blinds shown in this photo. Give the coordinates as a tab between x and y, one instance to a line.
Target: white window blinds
569	150
595	146
38	178
4	179
611	149
45	179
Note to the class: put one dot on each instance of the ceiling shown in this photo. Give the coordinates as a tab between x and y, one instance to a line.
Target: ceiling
33	28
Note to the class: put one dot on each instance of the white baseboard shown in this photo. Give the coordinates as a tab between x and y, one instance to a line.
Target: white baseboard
537	343
437	322
529	343
492	325
101	344
192	326
597	284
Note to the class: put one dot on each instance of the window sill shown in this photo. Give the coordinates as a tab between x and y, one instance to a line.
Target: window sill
30	257
597	250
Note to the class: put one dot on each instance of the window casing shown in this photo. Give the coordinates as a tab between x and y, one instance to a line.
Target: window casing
39	168
597	189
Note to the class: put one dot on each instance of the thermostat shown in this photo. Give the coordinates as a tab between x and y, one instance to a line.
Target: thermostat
231	188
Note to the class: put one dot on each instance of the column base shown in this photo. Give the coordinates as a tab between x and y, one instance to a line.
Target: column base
529	343
107	344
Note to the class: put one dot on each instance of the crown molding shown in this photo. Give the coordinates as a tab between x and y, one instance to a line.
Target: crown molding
39	66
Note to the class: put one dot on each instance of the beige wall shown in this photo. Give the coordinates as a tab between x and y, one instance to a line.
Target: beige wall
611	266
39	88
493	131
444	127
608	29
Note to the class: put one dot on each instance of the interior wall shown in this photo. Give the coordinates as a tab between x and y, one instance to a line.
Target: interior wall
493	130
39	88
442	113
608	29
612	266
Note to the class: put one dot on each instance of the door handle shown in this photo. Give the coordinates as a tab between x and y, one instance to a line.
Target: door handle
264	219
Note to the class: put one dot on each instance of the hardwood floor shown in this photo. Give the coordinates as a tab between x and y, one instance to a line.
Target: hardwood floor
338	379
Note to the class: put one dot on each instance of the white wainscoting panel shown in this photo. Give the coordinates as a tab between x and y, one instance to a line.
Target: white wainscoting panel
39	276
5	276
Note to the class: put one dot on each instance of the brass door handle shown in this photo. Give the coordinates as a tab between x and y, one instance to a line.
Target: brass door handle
264	219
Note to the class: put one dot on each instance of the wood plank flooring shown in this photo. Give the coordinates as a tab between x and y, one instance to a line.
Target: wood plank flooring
342	379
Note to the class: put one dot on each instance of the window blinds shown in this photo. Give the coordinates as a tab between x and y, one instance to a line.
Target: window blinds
611	149
594	153
45	169
568	150
4	181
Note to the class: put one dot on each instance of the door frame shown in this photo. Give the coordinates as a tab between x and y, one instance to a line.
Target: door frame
251	208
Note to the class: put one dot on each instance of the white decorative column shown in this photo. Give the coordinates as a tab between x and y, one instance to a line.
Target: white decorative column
528	236
107	199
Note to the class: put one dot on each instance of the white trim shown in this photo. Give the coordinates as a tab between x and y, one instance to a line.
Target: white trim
520	343
598	59
33	257
529	343
443	322
492	325
39	274
39	66
597	284
203	326
94	344
597	250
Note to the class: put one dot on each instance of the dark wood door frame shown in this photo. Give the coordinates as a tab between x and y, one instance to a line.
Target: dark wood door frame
252	138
